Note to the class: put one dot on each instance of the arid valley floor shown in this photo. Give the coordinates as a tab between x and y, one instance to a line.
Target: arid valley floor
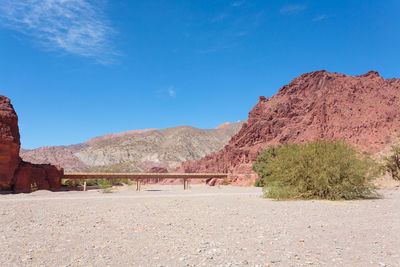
206	226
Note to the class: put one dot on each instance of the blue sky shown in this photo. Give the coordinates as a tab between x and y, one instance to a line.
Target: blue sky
75	69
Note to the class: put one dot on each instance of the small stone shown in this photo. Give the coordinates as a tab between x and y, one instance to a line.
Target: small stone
301	240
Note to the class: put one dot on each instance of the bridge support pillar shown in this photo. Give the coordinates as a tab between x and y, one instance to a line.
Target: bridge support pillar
138	185
84	185
185	184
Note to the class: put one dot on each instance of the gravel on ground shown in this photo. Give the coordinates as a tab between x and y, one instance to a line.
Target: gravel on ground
204	226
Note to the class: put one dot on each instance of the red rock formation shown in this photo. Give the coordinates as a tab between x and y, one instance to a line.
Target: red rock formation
39	176
362	110
9	143
158	170
16	174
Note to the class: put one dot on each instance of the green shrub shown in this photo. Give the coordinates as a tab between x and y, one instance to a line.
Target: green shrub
315	170
72	182
91	182
225	182
34	187
392	163
105	185
122	181
259	182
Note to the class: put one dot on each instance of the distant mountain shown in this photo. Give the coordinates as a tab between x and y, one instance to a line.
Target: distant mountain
136	150
114	135
223	125
59	155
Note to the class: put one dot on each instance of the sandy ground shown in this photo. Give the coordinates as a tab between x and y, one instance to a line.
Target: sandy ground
206	226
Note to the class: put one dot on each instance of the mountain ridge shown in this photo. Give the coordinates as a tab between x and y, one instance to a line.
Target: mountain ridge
135	150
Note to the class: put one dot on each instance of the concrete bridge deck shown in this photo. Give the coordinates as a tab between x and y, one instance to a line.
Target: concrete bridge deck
138	177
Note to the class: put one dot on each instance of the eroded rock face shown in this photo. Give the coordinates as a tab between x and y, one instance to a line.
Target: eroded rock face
362	110
9	143
16	174
38	177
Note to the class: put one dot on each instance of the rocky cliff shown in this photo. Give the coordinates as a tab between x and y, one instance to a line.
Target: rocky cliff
15	174
9	143
362	110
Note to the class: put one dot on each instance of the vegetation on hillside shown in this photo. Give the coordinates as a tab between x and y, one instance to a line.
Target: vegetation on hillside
315	170
112	168
392	163
92	182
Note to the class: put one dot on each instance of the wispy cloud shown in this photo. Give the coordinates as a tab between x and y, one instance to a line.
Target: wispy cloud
292	9
229	27
320	17
219	17
171	91
237	3
77	27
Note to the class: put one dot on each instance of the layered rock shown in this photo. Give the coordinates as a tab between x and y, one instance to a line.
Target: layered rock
114	135
37	177
15	174
362	110
136	150
60	155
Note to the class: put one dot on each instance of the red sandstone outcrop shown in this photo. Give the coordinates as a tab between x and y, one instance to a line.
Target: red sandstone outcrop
9	143
362	110
38	176
16	174
158	170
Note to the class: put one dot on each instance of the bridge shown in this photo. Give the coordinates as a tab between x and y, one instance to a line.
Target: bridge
138	177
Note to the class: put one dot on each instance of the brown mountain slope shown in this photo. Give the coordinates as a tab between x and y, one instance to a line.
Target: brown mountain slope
114	135
362	110
159	148
59	155
137	150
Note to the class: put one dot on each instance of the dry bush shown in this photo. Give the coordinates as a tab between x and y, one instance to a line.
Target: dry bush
315	170
392	163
